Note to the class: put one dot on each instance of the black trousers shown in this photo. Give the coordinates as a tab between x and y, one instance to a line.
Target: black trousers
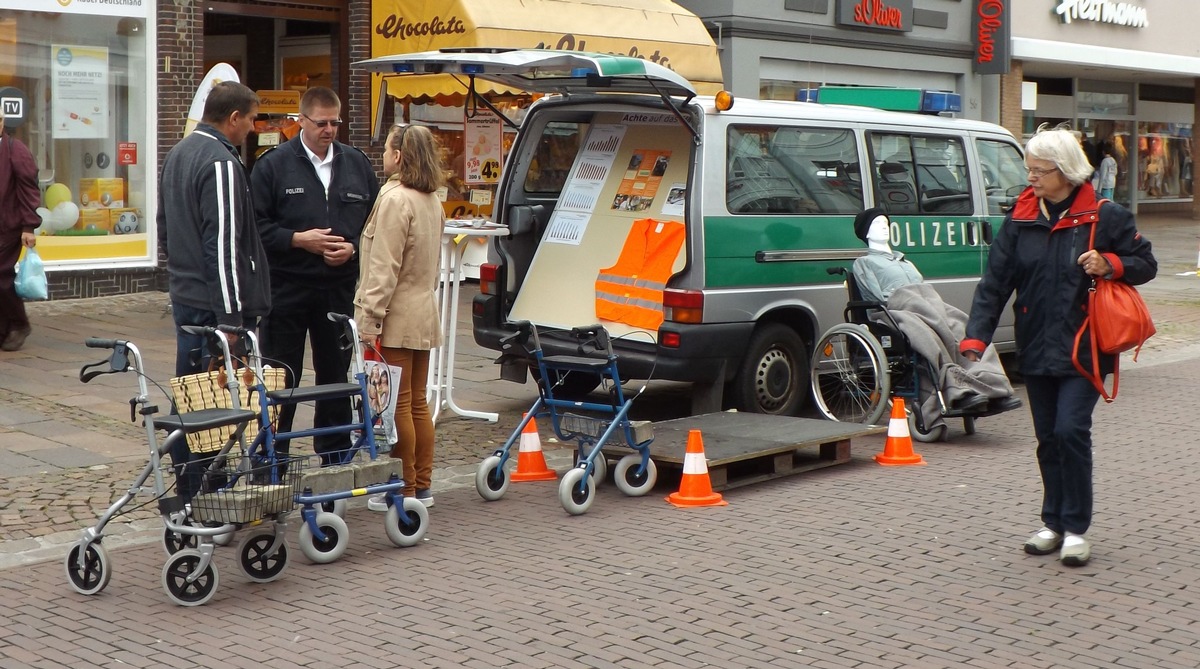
297	313
1062	418
12	308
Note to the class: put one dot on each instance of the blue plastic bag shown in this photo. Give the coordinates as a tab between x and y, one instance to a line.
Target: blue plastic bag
31	278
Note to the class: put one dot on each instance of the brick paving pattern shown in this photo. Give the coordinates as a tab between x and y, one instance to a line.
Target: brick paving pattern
854	566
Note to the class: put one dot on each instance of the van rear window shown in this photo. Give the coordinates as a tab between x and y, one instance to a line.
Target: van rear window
792	170
554	155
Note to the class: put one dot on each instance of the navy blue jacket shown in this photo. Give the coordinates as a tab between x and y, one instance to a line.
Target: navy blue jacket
1038	260
289	198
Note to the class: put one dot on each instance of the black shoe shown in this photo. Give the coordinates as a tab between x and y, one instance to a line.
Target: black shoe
1002	404
971	403
15	338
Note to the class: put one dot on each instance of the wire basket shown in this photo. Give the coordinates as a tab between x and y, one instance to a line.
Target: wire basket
240	489
575	425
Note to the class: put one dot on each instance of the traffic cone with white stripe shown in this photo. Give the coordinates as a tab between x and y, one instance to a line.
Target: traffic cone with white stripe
531	462
898	449
695	488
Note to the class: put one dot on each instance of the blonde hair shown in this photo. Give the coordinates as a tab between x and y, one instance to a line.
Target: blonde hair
1060	146
420	168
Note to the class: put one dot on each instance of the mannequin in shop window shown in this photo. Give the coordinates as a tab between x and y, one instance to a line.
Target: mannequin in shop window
932	327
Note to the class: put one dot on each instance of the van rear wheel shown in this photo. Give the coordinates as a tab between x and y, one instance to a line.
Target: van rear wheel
773	377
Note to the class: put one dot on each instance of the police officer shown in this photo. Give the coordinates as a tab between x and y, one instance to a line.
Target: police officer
312	196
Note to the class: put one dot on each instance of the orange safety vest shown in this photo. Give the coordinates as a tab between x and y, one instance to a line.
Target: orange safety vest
631	291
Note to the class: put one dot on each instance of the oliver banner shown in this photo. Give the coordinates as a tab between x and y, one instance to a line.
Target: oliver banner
990	31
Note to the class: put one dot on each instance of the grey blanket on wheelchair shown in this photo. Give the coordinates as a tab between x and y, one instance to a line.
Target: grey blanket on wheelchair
934	329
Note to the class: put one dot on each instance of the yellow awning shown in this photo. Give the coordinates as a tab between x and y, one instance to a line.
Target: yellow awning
658	30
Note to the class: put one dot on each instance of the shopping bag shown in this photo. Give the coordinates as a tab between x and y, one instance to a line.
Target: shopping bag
207	390
382	381
31	278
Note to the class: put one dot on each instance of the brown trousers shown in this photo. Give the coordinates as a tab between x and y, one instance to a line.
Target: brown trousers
414	422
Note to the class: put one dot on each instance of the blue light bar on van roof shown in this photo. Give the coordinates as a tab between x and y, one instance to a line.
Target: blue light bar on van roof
581	72
472	68
807	94
936	102
403	68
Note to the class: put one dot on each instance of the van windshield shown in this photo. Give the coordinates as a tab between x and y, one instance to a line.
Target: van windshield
791	170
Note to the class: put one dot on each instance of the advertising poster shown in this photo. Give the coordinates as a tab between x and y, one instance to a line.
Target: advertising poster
79	91
483	139
641	180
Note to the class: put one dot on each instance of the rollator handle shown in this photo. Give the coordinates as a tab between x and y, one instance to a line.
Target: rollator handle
96	342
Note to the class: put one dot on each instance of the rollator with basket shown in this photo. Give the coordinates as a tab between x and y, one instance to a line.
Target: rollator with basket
635	474
324	535
227	489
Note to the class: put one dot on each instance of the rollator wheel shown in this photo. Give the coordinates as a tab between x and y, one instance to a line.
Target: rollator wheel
491	481
337	507
627	478
409	529
174	579
337	538
599	467
256	560
173	542
576	491
95	572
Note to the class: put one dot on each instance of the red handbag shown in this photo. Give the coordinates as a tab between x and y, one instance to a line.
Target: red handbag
1118	320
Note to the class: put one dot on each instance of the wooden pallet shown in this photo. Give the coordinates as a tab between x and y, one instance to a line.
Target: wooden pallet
745	448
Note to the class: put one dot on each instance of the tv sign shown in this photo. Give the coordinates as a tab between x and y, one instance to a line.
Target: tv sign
13	102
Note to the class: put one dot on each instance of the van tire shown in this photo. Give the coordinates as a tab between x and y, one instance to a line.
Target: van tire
773	377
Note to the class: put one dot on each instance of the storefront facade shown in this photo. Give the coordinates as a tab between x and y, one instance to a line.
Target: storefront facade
73	82
1123	72
774	50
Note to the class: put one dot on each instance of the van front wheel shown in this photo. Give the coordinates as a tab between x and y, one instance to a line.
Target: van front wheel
773	377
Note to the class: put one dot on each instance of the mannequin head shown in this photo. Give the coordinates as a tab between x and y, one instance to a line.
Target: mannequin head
875	228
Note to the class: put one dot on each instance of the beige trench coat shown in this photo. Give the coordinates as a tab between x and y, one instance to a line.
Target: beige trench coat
399	269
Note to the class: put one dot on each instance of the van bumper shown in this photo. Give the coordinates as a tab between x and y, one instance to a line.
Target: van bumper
707	353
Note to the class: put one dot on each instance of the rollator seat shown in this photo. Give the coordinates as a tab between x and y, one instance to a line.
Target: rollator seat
204	419
575	362
328	391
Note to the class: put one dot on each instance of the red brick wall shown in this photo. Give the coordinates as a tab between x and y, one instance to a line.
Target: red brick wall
1011	116
361	116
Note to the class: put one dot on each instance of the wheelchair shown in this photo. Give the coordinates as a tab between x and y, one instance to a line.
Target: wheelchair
859	365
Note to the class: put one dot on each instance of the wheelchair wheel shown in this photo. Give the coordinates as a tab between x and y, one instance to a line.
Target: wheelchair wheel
933	435
849	372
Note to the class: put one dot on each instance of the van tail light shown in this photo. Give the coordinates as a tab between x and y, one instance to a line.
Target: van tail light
488	274
683	306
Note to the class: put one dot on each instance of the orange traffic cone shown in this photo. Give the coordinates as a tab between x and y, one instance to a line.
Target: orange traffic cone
531	463
898	449
695	489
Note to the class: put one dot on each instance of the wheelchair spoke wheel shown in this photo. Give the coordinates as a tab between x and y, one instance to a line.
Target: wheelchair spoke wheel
849	373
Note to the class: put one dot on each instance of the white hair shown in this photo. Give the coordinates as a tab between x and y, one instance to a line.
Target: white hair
1060	146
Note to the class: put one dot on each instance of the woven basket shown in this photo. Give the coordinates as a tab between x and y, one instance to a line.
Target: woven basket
207	390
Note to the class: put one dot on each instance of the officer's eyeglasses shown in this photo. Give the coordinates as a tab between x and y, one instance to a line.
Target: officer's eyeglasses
323	124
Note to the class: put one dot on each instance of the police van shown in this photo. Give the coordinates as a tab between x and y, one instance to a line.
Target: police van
699	230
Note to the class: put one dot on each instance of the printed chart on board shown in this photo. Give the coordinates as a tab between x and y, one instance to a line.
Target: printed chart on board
588	174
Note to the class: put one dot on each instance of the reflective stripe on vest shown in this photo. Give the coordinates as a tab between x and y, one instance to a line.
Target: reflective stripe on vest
631	291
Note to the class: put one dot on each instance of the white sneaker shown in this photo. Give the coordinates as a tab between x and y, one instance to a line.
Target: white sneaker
378	502
1075	550
1043	542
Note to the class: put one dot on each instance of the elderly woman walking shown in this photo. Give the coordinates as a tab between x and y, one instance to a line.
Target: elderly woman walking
1042	254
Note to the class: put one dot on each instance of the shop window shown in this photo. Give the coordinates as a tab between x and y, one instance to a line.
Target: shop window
789	170
916	174
84	82
1003	174
1164	161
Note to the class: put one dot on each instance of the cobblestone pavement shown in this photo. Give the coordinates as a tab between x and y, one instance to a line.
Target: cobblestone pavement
69	450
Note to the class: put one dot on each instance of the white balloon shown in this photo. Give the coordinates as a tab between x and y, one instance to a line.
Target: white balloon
47	217
66	215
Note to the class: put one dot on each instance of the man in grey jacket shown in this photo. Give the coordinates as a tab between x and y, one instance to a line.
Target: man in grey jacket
215	259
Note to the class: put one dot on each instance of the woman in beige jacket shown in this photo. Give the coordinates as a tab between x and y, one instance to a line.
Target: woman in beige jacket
395	306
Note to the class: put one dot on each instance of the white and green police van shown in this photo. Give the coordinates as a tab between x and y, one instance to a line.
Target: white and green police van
766	193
